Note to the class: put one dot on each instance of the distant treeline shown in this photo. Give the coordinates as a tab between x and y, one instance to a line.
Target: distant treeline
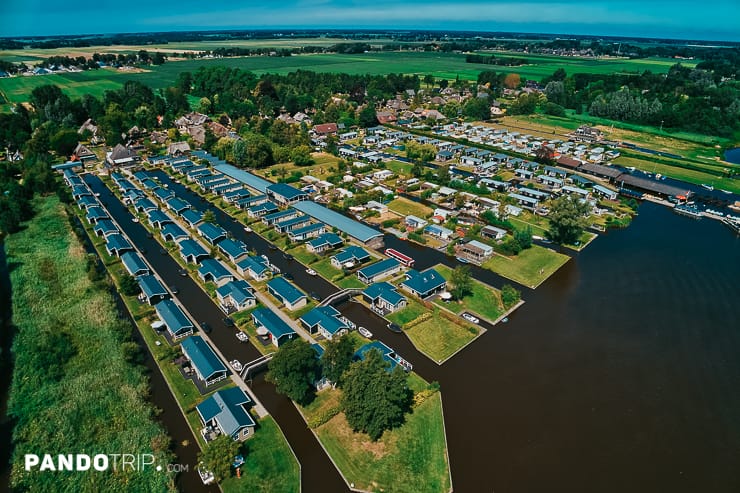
494	60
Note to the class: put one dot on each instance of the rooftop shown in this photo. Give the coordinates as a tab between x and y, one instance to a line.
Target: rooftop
273	323
202	357
173	316
226	407
350	226
285	290
245	177
327	317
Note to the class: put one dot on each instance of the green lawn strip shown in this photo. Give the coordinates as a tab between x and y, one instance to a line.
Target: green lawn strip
326	269
483	300
61	395
530	268
399	168
442	335
349	282
405	315
411	458
684	174
269	463
302	255
407	207
521	225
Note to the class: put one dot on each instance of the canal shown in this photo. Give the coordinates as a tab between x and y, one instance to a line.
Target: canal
317	471
620	373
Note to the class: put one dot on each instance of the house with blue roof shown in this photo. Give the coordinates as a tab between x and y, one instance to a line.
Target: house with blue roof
163	194
414	222
580	181
233	248
424	284
95	214
388	355
258	268
152	291
80	191
192	217
326	241
326	321
149	184
227	187
158	218
225	413
247	202
232	196
134	264
379	270
116	244
191	251
177	205
349	257
235	296
271	325
207	365
286	292
306	232
87	201
438	231
211	233
605	192
262	209
274	217
177	323
105	228
284	194
384	298
173	232
144	205
575	190
211	270
293	223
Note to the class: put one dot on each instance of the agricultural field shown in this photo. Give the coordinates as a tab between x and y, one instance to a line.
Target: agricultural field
440	65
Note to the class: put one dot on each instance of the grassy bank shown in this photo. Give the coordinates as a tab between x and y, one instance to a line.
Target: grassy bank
269	464
482	299
75	385
530	268
411	458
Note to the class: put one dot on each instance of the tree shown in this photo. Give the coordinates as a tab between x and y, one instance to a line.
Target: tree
461	281
373	398
64	142
218	455
567	219
420	152
366	118
429	80
512	81
509	295
336	359
301	156
209	216
477	108
524	237
294	369
129	286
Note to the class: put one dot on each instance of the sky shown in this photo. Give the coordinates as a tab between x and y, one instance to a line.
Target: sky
678	19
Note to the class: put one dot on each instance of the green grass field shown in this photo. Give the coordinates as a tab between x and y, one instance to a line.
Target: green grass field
440	65
269	463
483	300
411	458
530	268
407	207
61	397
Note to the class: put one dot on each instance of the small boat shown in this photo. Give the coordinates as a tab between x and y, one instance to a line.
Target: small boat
708	187
247	229
470	318
505	319
242	336
311	272
463	260
236	365
205	475
688	210
365	333
726	191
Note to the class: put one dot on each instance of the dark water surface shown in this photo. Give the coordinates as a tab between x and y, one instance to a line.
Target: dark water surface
621	373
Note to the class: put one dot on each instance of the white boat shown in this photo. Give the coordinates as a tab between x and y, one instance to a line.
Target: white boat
135	219
470	318
708	187
310	272
242	336
236	365
247	229
365	333
205	475
726	191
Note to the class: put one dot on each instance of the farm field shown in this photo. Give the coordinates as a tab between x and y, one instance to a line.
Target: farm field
440	65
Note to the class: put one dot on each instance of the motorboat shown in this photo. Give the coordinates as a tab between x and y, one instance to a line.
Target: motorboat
365	333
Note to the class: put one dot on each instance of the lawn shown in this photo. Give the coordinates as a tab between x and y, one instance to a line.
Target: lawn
412	311
350	281
483	300
439	337
407	207
326	269
411	458
269	463
399	168
530	268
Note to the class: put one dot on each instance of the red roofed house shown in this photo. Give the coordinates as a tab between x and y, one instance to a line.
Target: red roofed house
325	129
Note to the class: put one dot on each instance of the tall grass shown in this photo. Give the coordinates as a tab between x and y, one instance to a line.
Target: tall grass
76	386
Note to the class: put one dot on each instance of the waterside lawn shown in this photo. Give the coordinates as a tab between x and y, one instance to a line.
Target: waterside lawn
530	268
411	458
